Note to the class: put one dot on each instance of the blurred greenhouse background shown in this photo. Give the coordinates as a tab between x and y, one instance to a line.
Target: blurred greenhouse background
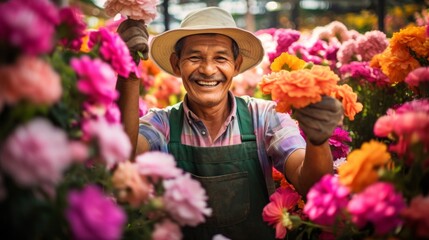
362	15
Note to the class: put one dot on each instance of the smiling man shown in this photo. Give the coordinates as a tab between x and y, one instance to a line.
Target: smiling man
228	143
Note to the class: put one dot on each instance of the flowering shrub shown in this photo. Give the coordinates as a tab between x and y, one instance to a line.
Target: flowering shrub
65	169
379	190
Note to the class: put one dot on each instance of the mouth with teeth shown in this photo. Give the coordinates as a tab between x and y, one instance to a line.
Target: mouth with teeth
208	83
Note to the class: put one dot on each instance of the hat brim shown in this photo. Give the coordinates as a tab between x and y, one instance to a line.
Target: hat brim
162	46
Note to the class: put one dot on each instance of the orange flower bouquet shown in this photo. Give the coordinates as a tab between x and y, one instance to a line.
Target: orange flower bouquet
293	83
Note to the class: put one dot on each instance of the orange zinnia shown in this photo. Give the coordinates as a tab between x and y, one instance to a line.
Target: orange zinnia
302	84
361	168
287	62
349	99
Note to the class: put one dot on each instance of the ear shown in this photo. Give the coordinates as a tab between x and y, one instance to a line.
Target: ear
238	63
174	62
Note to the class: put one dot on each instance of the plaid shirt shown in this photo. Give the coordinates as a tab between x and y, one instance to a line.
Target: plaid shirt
277	134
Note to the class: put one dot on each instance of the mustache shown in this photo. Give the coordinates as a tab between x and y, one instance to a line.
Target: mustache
202	77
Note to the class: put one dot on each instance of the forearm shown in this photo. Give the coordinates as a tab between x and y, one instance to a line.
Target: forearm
128	103
305	167
317	162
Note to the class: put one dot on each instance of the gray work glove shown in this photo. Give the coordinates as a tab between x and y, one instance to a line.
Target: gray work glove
135	35
319	120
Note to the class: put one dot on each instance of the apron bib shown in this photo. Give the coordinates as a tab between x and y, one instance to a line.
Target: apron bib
233	180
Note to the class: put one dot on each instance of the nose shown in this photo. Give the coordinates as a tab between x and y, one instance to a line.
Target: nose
207	68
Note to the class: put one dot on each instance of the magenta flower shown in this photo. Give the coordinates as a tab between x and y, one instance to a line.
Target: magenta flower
347	52
417	216
325	200
166	230
71	19
378	204
36	154
113	50
112	143
284	38
157	165
418	80
29	25
370	44
185	200
27	80
278	211
338	142
95	111
408	124
91	215
96	79
362	72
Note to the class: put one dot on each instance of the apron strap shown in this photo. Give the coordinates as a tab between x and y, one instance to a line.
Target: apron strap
176	123
245	121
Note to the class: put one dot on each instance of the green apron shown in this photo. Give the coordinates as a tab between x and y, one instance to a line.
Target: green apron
232	177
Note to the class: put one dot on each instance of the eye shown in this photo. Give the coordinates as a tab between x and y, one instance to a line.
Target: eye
194	58
221	59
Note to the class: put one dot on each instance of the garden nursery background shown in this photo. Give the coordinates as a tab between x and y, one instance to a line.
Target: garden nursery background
65	167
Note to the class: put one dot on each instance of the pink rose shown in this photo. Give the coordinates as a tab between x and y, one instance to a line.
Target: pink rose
31	79
134	9
417	216
133	188
378	204
114	51
384	125
186	200
29	25
113	144
157	165
36	154
167	230
96	79
92	215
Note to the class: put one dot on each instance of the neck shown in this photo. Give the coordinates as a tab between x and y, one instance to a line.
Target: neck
213	117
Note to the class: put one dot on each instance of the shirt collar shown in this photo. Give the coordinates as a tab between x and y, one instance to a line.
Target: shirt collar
192	117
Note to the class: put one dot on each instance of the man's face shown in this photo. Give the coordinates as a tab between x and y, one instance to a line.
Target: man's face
207	67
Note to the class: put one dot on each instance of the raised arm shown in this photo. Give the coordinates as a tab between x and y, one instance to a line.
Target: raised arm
318	121
135	35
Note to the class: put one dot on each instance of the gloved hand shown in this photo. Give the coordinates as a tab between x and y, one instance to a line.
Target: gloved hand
319	120
135	35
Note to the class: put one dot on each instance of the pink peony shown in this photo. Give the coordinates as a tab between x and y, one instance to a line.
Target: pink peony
73	23
91	215
186	200
276	212
166	230
132	187
339	143
363	73
29	25
134	9
417	216
417	75
370	44
112	143
325	200
95	111
27	80
157	165
378	204
36	154
347	52
96	79
113	50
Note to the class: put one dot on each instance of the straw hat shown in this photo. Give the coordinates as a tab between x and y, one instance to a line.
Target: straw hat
207	20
